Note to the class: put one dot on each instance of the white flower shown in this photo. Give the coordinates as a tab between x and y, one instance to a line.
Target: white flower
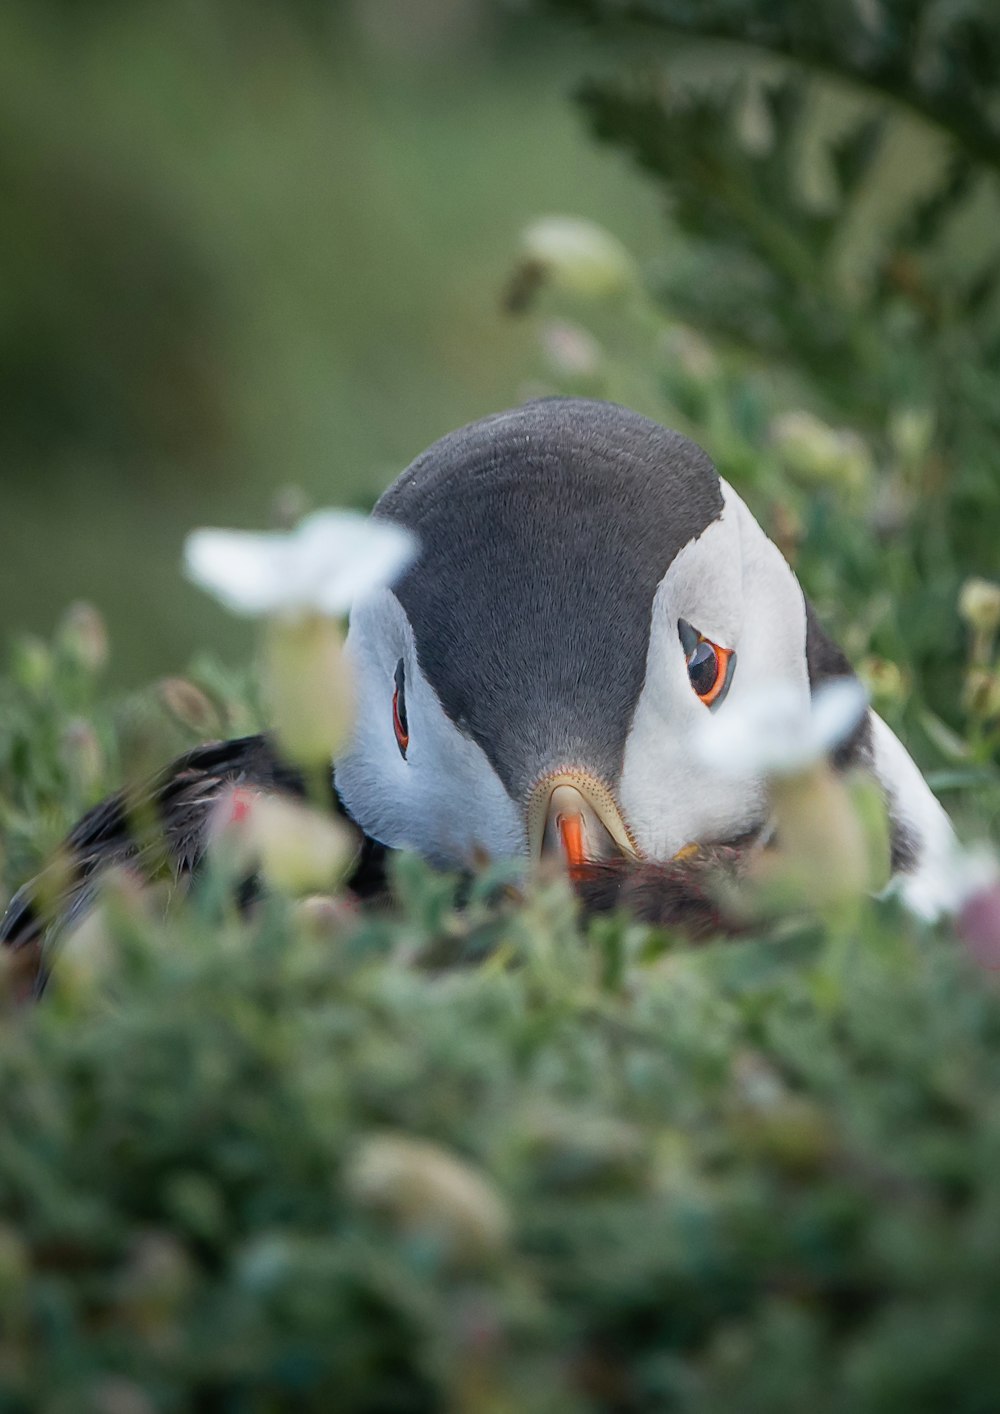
778	731
578	256
321	567
953	880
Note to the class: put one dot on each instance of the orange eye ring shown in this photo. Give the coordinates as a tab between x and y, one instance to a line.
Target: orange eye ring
402	735
709	690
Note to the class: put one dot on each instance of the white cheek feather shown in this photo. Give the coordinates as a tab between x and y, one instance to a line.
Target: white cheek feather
734	586
444	799
927	885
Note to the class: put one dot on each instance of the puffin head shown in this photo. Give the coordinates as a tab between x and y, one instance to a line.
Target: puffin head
587	589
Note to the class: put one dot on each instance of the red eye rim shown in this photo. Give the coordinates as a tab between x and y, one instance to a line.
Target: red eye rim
402	735
723	658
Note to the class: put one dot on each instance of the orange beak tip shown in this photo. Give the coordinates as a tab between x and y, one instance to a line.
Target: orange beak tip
571	834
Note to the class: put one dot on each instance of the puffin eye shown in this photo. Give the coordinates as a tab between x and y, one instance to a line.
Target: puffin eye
710	667
399	723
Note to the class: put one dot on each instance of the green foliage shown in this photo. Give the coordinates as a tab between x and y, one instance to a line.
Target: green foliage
472	1154
834	169
763	1174
253	244
62	749
782	157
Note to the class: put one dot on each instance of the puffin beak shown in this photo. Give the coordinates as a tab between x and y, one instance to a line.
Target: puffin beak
574	818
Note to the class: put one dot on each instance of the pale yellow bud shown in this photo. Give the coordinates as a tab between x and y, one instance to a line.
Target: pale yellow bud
31	665
188	705
88	951
295	848
911	431
308	687
981	694
572	256
424	1189
817	454
822	856
81	750
84	635
884	679
323	916
979	605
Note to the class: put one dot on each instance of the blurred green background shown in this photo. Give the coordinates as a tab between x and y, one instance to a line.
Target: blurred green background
256	256
252	246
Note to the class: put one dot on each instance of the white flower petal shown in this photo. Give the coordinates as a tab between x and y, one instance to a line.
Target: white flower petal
358	554
780	730
837	708
331	559
947	883
247	572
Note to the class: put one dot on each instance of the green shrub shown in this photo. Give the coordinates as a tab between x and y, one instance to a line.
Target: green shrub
760	1175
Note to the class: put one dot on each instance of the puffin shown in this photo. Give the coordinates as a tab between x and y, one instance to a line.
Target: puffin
587	588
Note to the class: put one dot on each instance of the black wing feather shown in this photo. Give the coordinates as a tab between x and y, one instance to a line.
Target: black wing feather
160	827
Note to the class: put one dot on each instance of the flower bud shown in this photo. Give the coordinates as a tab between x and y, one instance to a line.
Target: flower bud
821	859
817	454
979	605
323	916
295	848
571	352
884	679
981	694
424	1190
31	665
84	637
188	705
81	751
87	956
308	687
572	256
911	431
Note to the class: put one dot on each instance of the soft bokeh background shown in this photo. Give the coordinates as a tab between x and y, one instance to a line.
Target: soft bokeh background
256	256
252	246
